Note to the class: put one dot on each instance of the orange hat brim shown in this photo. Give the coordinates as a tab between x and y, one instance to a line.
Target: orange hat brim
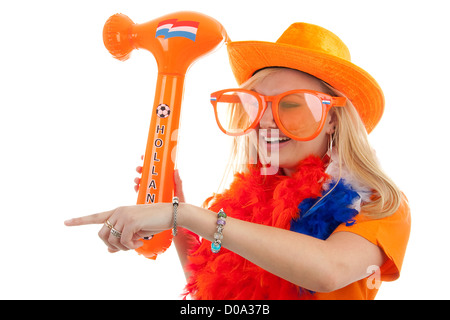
247	57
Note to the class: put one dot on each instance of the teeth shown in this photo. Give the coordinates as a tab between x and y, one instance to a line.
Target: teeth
276	139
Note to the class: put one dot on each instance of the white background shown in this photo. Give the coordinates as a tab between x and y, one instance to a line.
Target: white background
74	123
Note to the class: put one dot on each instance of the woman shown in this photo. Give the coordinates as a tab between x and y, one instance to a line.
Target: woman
310	215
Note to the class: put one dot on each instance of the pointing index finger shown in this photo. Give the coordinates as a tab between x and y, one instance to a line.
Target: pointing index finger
97	218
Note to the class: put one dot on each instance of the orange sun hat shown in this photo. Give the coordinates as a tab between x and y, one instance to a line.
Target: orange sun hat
319	52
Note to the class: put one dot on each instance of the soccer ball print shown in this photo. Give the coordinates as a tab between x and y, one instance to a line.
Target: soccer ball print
163	111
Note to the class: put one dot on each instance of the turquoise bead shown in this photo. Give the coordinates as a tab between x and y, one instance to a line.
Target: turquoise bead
215	247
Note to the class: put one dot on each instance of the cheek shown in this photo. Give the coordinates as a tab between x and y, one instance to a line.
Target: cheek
298	150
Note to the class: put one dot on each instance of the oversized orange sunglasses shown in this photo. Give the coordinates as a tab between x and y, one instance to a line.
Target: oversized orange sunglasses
299	114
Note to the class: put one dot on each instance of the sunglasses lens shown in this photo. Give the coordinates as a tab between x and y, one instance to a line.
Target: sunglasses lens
236	111
300	114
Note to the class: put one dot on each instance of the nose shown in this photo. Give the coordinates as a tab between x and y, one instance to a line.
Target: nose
267	121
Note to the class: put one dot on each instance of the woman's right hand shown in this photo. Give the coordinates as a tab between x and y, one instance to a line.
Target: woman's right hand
176	177
185	240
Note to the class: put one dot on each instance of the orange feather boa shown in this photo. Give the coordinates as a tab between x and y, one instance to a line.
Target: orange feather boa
269	200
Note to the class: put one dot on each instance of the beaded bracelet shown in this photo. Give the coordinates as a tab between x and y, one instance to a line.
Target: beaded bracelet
218	236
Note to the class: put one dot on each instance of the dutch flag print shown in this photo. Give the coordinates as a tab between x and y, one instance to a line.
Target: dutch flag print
173	28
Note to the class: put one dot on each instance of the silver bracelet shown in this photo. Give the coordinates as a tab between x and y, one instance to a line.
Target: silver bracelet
175	209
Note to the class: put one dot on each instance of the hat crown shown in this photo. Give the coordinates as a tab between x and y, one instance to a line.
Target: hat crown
312	37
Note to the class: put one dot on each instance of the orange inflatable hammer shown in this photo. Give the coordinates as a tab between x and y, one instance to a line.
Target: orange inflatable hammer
176	40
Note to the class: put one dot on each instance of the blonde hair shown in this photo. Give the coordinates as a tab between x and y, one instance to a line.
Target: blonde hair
353	149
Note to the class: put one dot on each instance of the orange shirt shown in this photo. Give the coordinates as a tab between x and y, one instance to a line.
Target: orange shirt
391	234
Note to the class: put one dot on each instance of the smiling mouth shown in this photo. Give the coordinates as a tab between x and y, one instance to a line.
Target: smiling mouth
278	140
273	137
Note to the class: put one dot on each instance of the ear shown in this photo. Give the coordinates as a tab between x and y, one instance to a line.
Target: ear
331	123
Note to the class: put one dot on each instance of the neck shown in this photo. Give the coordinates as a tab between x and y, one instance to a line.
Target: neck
288	171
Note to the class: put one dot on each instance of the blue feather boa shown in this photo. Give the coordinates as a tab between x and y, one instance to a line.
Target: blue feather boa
322	219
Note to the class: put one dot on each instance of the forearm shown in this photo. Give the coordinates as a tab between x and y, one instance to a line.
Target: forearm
294	257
